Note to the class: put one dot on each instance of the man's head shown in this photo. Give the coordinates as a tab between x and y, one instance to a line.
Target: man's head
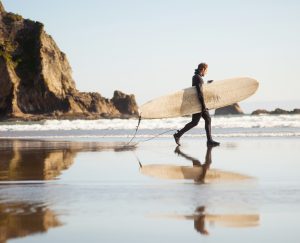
202	68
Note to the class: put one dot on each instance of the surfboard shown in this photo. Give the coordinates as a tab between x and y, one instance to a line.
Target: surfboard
185	102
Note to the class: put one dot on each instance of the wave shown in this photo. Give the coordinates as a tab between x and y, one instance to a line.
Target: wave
232	126
246	121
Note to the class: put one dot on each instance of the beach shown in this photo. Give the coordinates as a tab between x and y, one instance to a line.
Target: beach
103	189
95	96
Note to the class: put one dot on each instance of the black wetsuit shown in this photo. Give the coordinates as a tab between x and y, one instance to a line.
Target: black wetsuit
198	83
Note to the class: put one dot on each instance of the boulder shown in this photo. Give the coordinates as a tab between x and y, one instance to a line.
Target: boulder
260	111
277	111
36	77
124	103
233	109
296	111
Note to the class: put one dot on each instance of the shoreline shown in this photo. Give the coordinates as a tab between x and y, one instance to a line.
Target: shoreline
90	116
37	118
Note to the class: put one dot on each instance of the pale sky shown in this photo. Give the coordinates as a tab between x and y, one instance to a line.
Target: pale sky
150	48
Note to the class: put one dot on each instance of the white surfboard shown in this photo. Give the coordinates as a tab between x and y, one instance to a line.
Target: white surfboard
185	102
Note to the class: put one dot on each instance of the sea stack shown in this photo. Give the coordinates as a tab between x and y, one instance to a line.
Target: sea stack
233	109
36	78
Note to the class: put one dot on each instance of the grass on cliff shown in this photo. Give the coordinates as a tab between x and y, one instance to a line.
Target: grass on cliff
6	50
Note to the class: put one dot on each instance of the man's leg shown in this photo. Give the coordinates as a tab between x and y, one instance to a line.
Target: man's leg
195	120
207	119
206	116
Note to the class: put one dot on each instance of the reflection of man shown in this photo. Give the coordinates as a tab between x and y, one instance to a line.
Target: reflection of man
197	163
199	221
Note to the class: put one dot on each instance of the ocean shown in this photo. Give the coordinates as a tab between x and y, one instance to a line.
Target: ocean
222	126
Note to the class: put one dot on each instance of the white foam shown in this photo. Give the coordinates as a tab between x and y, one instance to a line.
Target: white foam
263	121
233	126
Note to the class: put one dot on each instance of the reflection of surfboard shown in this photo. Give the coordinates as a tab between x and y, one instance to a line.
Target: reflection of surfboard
171	171
226	220
185	102
189	173
234	220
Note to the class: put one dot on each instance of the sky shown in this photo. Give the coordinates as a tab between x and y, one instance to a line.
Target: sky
151	47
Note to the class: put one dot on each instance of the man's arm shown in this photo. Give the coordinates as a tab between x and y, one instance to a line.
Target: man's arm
199	89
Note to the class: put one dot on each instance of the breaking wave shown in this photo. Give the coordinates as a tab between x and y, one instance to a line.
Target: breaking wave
246	125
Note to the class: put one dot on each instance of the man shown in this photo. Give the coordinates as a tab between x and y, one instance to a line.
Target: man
198	83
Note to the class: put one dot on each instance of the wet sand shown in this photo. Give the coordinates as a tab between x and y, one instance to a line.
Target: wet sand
107	191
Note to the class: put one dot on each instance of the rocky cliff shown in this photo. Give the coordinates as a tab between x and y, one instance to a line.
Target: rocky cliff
233	109
36	80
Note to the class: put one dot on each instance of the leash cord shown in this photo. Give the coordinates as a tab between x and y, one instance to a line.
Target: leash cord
136	129
146	140
157	135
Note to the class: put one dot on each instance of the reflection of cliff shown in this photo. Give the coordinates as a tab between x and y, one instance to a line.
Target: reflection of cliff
34	164
23	219
44	160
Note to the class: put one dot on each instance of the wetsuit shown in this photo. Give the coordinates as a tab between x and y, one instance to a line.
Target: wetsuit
198	83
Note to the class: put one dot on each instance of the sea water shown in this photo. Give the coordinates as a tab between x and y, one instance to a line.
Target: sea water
222	126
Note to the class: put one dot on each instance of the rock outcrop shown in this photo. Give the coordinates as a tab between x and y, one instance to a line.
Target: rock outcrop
233	109
1	8
260	112
36	80
277	111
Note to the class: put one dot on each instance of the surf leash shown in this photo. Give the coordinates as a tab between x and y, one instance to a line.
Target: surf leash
157	135
136	129
148	139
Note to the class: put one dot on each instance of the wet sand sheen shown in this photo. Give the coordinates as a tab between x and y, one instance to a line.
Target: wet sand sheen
238	185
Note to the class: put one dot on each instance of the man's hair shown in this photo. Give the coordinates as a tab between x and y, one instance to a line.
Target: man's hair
202	66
